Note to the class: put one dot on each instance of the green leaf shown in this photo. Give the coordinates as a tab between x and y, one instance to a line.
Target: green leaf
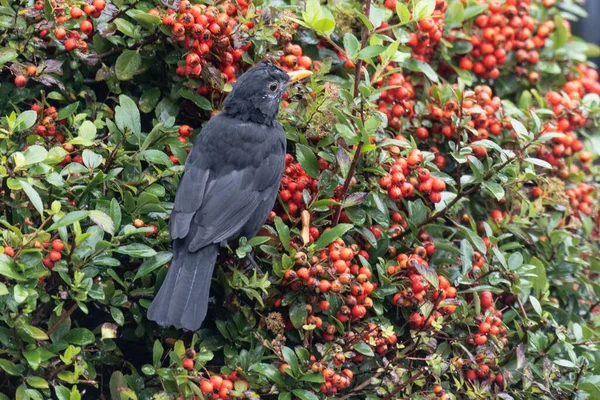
156	157
290	357
145	20
538	162
69	219
34	155
420	66
157	352
364	349
560	36
91	159
87	131
313	377
7	55
10	367
67	111
332	234
515	261
198	100
520	130
307	160
127	115
127	65
428	273
35	333
104	221
136	250
37	382
417	211
298	314
153	263
351	45
536	305
403	12
371	51
149	99
25	120
79	336
455	13
269	371
496	189
591	385
424	9
283	232
304	394
8	268
466	256
33	195
475	10
127	28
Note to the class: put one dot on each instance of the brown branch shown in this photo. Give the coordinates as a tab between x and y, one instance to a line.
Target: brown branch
358	150
62	319
405	384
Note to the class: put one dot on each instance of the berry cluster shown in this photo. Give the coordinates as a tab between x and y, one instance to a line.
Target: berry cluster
405	176
293	184
397	101
504	27
335	270
54	252
217	387
205	31
580	198
293	59
72	39
423	42
48	125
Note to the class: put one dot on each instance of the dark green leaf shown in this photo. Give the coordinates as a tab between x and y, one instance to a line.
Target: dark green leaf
307	160
332	234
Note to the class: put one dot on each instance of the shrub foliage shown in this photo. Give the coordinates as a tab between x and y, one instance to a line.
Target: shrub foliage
435	234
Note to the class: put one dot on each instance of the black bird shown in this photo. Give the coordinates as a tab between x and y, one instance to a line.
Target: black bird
229	186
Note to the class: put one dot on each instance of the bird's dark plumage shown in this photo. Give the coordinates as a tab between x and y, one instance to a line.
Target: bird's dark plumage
229	186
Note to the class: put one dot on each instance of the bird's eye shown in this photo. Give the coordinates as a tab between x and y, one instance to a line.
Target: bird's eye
274	86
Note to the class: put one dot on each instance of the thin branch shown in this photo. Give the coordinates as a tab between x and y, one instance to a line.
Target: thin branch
358	150
62	319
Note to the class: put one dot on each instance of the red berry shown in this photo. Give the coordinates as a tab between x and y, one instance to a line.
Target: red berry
9	251
188	363
54	256
20	81
58	245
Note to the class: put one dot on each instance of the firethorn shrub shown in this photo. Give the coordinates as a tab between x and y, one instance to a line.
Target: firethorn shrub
435	233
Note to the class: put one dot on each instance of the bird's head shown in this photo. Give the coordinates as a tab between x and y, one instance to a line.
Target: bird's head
258	92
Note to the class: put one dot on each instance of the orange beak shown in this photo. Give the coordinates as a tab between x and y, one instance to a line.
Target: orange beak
296	76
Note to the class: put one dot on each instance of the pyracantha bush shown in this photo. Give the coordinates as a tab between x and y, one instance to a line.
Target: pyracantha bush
436	229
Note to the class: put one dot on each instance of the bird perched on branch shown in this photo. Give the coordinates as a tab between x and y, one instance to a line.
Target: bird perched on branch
229	186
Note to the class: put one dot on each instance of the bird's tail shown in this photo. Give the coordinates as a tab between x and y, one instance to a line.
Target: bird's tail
182	300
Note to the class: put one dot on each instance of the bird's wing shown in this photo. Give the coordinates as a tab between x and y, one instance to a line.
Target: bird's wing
233	171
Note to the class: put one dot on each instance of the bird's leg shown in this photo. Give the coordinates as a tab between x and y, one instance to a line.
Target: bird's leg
252	263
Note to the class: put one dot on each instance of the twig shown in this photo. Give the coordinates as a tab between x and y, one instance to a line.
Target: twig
62	319
358	150
405	384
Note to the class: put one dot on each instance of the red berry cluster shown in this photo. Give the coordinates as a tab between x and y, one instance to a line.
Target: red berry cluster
504	27
294	182
423	42
54	253
48	125
206	32
397	101
293	59
415	289
484	123
405	176
581	198
335	270
72	39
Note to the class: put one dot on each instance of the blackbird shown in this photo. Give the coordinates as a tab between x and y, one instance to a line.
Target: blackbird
229	186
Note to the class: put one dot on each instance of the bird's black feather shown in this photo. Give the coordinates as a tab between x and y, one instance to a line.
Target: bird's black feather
229	186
